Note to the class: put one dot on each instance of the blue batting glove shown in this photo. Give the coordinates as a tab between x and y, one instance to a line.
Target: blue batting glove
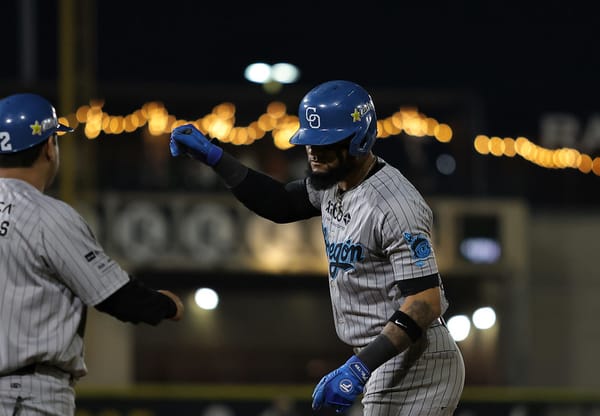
187	139
340	388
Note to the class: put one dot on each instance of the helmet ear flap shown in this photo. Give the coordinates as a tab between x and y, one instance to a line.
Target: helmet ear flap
360	146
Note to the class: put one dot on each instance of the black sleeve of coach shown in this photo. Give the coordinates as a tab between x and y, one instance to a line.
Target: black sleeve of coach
273	200
135	303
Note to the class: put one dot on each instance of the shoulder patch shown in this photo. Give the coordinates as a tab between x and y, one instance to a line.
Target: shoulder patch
420	247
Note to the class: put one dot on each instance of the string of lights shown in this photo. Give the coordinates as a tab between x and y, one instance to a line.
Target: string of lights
548	158
220	124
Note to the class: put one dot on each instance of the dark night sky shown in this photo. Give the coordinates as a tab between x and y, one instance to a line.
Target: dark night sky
520	58
535	53
395	43
490	46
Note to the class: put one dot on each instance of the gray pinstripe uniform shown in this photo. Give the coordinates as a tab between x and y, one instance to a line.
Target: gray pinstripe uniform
367	233
52	268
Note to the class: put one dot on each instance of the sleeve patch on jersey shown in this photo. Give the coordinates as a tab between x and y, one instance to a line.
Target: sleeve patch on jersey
419	247
99	260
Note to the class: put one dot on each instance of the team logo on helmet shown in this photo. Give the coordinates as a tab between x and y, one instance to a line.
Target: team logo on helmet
360	111
36	128
49	123
314	120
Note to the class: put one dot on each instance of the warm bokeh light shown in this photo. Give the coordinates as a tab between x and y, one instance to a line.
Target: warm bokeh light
585	163
481	144
263	73
443	133
596	166
459	327
206	298
509	147
220	124
258	72
548	158
484	318
496	146
285	73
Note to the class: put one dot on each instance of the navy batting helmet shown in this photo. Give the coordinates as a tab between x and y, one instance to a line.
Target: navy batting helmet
336	111
26	120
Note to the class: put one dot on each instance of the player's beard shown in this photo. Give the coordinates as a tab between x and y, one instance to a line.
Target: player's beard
325	180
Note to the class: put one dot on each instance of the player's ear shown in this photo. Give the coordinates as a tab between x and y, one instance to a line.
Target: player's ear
50	149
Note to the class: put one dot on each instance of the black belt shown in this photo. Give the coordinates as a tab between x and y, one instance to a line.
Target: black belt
39	368
23	371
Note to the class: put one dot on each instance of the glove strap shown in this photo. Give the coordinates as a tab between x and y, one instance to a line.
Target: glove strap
358	368
214	155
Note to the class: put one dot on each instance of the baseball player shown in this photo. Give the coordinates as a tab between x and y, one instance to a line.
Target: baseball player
386	292
52	269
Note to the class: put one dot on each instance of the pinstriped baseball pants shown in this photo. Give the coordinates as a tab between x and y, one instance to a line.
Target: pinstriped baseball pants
425	380
37	394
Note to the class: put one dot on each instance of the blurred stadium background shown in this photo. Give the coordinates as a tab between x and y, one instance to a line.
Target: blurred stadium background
490	108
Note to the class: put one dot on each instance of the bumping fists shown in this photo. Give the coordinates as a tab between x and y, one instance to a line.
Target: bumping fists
178	304
187	139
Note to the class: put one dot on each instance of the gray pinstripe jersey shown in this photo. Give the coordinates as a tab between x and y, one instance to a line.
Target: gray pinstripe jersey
376	234
52	268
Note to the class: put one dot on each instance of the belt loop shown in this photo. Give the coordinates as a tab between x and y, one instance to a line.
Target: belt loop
17	408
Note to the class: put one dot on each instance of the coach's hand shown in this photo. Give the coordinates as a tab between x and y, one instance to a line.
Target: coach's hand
187	139
178	304
340	388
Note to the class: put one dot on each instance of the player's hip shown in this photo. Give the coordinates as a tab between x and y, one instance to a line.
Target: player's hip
431	370
37	393
437	338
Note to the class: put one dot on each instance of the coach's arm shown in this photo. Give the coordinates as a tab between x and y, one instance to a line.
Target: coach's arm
135	302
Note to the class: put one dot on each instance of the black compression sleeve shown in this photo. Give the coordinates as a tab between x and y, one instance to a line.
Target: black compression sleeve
377	352
134	302
273	200
231	170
